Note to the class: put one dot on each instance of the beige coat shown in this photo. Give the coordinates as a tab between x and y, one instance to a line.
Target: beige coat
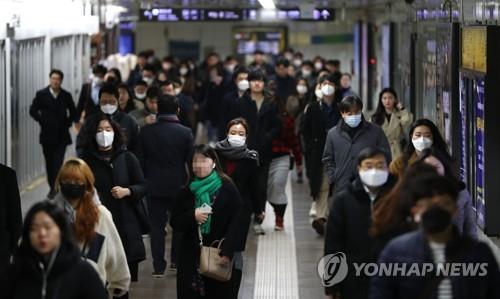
395	130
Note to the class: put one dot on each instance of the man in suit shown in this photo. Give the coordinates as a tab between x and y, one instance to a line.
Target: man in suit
164	149
53	108
88	103
10	214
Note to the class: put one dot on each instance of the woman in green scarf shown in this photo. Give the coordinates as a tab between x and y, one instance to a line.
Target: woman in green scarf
209	203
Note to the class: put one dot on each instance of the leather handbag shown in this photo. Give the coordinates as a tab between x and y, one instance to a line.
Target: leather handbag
209	261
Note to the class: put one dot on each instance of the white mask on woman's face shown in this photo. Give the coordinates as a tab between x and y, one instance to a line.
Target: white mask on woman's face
243	85
236	140
421	143
105	138
301	89
327	90
319	94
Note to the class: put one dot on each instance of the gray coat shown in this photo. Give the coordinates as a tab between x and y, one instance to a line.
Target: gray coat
341	152
465	218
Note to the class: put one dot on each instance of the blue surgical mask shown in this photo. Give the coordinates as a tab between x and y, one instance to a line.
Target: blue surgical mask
353	120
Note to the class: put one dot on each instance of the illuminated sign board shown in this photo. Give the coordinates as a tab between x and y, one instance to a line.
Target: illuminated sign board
474	48
212	15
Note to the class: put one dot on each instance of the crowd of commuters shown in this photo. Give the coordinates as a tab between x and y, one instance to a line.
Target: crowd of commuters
383	187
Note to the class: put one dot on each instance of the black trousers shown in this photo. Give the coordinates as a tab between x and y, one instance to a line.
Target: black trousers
159	209
54	158
260	188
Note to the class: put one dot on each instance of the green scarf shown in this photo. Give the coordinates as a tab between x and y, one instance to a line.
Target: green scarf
203	190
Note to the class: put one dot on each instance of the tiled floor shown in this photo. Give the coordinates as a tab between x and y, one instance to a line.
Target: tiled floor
308	248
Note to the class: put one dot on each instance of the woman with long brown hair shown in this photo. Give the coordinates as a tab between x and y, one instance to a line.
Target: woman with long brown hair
93	225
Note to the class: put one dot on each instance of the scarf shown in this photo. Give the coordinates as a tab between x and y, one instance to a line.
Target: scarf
68	209
203	190
226	150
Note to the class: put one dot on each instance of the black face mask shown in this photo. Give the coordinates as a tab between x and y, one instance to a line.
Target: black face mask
72	191
436	220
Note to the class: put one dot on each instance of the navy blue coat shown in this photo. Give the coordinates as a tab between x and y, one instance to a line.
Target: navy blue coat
163	150
413	248
10	214
55	116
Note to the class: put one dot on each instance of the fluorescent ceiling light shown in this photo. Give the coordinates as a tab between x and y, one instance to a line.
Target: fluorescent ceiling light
267	4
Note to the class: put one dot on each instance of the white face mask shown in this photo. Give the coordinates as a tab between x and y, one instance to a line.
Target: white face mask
301	89
374	177
140	96
148	81
243	85
306	72
288	56
178	91
421	143
105	139
109	109
230	67
297	62
319	94
236	140
183	71
353	121
318	66
327	90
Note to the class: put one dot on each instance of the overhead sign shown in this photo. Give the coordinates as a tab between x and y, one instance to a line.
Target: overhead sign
213	15
474	45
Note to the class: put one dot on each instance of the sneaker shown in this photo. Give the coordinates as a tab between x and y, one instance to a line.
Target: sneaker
319	226
258	230
278	226
157	274
312	211
173	267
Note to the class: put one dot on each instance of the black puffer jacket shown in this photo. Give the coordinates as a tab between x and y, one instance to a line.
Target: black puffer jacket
69	277
122	170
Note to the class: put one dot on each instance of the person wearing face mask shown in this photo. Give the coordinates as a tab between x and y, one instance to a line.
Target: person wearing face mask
108	100
285	150
318	64
88	102
423	134
206	211
393	118
186	105
140	92
343	144
147	115
319	117
164	149
437	242
465	218
240	81
350	219
240	164
95	231
307	72
149	75
120	184
257	107
48	262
